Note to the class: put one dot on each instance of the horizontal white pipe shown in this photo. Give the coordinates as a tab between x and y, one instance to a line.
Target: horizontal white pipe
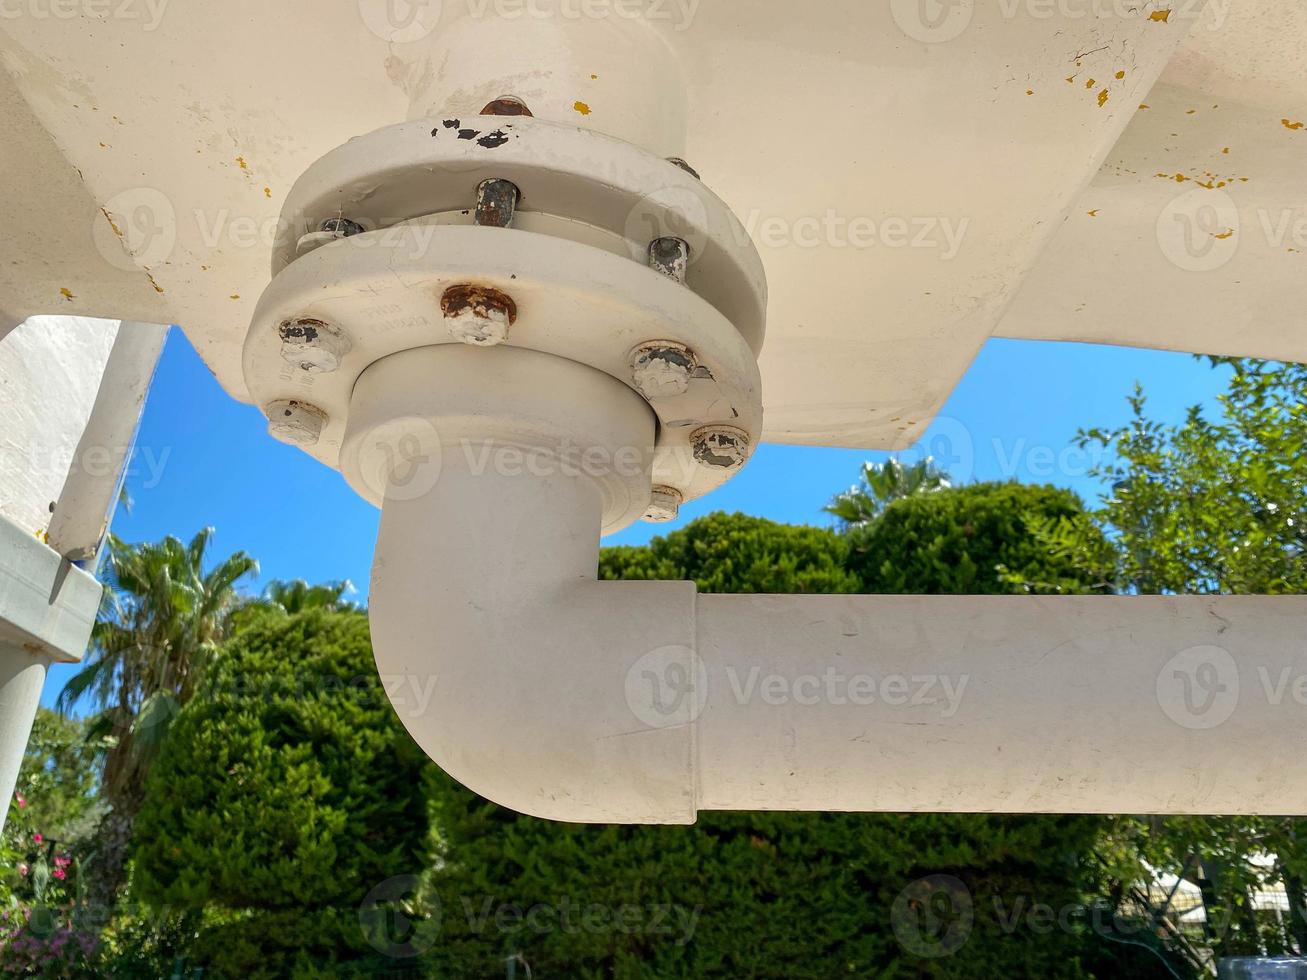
568	698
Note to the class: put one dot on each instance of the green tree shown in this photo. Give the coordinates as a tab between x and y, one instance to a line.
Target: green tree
761	894
881	485
286	791
166	610
981	539
1212	505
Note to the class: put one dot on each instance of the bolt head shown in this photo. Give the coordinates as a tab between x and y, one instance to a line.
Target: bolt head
311	345
664	504
478	315
720	446
295	423
662	369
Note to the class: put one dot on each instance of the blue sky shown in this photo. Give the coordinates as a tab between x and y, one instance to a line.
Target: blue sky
205	460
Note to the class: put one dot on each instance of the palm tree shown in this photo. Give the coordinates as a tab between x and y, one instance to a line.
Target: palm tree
163	616
298	596
881	485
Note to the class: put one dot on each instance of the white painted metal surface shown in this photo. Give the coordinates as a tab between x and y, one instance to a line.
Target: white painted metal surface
900	175
50	370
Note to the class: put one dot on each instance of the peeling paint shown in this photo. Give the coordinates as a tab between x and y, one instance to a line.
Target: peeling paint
1161	16
1291	125
582	108
66	293
1102	98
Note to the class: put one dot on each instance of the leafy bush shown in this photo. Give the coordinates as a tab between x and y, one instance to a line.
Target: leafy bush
286	789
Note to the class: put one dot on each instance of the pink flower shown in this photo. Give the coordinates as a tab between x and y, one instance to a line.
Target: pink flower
62	861
23	869
60	873
22	802
38	838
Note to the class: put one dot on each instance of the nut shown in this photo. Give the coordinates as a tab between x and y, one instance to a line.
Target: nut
478	315
342	227
671	257
496	203
720	446
664	504
312	345
662	368
296	423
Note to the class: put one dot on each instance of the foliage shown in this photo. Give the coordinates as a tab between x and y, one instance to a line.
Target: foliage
737	553
164	615
881	485
1210	506
286	790
974	540
56	784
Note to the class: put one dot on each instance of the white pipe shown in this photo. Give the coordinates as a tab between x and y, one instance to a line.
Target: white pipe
568	698
22	675
90	493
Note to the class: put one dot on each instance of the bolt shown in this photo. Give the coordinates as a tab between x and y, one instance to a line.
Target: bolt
296	423
684	166
506	105
664	504
662	368
720	446
496	202
312	345
671	257
478	315
342	227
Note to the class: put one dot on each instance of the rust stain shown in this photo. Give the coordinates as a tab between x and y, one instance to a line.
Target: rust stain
581	107
1161	16
480	300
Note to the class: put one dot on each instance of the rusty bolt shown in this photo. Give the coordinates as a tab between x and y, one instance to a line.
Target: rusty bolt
506	105
720	446
478	315
312	345
342	227
496	203
664	505
296	423
662	368
671	257
684	166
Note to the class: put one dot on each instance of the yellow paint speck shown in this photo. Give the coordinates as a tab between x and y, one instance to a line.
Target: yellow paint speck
1070	79
1093	213
1160	16
1091	83
267	192
594	78
235	295
1120	75
1102	98
1224	235
1290	125
66	293
243	165
581	107
1144	105
1030	91
1226	150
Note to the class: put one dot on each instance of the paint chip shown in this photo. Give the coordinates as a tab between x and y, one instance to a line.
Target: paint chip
1161	16
242	163
1144	105
1224	235
1290	125
1030	91
66	293
1120	75
1093	213
235	295
267	192
1102	98
581	107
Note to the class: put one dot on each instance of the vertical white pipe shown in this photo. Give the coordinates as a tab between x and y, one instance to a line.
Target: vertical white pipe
22	676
